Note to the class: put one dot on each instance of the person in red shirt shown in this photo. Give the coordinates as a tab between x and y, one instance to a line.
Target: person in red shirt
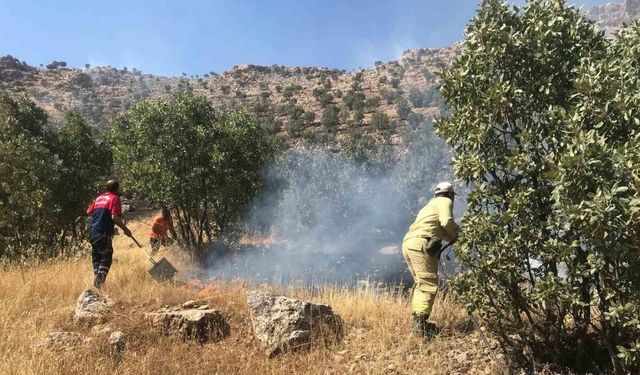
105	212
161	225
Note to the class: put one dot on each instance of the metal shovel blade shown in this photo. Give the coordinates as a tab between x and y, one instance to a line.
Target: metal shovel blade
162	270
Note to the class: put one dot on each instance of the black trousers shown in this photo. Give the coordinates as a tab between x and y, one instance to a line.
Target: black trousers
101	252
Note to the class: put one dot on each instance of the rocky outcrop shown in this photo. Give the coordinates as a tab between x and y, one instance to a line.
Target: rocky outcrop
91	308
191	321
612	15
117	341
284	324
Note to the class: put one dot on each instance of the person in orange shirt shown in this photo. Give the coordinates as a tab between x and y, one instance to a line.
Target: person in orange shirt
161	226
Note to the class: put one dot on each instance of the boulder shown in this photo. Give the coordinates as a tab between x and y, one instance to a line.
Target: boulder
283	324
117	341
60	340
91	308
191	322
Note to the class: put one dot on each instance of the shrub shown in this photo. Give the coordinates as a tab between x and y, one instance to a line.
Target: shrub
380	121
373	102
417	98
550	148
354	100
330	117
414	119
56	64
390	96
403	110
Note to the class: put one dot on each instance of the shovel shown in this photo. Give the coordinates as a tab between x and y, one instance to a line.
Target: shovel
161	270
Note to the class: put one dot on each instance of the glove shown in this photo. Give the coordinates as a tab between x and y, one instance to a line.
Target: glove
433	247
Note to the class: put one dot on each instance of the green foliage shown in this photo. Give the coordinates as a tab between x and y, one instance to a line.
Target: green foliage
202	164
330	118
295	112
414	119
417	98
46	180
354	100
545	127
390	96
403	110
290	90
361	148
373	102
380	121
323	96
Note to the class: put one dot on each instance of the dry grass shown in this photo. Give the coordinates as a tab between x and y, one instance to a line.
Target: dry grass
37	300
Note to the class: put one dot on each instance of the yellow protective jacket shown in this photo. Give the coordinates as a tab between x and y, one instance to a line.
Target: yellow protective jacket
435	220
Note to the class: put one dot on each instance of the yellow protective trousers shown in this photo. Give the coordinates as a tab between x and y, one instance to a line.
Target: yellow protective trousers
424	269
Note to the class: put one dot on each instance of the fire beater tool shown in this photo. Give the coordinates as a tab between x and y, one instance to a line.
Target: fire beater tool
162	270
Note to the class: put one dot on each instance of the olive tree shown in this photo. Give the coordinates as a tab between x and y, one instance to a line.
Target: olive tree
543	126
202	164
47	177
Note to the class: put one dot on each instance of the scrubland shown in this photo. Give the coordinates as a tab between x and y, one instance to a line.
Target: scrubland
38	299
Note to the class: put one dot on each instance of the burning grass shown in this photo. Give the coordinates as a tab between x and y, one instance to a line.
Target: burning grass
40	299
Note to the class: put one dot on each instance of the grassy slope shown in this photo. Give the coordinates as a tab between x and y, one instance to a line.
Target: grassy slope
37	300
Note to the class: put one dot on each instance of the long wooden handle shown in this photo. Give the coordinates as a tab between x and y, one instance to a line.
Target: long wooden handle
145	253
136	241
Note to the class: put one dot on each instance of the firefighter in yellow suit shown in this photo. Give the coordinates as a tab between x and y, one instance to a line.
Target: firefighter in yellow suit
421	249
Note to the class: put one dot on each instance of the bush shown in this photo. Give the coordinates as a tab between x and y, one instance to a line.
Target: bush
354	100
550	149
415	119
373	102
322	96
309	117
204	165
295	112
380	121
56	64
403	110
294	127
290	90
417	98
390	96
330	117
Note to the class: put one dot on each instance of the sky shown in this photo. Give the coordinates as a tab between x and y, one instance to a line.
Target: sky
198	37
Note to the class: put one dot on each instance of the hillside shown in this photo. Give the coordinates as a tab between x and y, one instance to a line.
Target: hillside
299	103
292	101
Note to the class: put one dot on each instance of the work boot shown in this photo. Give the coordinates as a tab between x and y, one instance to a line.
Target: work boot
423	328
99	279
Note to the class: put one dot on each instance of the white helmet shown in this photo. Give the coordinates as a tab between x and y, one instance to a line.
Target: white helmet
444	187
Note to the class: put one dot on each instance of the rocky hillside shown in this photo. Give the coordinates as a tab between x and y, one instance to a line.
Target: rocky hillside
612	15
301	104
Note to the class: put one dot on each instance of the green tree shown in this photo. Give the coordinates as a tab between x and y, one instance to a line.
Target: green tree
550	239
46	179
204	165
380	121
330	117
403	109
84	162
